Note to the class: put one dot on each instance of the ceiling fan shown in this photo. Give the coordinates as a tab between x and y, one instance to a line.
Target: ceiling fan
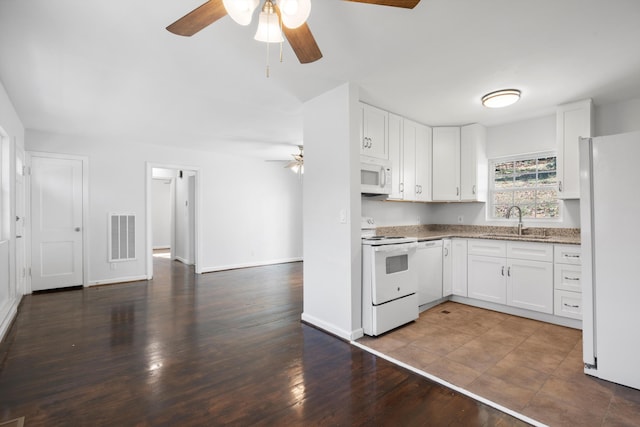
291	13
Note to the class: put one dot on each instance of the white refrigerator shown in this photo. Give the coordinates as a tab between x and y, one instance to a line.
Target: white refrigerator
610	234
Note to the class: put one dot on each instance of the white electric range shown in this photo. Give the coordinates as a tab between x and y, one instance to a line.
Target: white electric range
389	280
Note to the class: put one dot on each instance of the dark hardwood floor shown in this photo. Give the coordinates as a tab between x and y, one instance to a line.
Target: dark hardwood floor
193	350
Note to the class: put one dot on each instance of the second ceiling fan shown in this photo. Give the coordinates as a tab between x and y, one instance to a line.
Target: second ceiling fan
291	13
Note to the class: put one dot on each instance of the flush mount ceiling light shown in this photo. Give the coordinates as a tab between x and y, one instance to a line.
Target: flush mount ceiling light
501	98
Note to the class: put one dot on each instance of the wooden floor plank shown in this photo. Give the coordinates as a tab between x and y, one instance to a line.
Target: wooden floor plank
224	348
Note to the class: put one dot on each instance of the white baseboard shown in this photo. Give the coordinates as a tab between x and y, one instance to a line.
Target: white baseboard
117	280
183	260
332	329
7	313
250	264
161	247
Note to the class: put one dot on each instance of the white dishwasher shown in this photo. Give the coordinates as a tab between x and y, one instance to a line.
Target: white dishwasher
429	268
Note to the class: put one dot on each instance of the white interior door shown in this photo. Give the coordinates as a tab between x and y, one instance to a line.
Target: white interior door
21	266
57	227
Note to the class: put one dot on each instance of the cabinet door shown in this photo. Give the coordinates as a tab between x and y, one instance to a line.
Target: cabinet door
473	163
396	157
573	121
530	285
447	268
459	267
410	187
374	132
446	163
423	162
487	278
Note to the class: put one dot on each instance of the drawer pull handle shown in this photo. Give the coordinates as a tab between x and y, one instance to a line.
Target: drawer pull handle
503	270
571	306
571	278
571	256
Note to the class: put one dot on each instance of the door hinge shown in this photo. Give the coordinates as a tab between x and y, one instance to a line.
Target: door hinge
26	170
29	271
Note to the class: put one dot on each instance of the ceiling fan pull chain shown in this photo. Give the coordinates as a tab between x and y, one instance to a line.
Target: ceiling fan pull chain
267	60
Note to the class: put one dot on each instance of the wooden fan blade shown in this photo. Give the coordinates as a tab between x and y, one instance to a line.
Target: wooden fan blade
198	18
407	4
303	43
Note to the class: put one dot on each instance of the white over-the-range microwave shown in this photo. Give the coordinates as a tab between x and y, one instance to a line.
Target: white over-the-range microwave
375	176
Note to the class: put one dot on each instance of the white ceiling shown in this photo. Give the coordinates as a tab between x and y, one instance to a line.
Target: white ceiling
110	67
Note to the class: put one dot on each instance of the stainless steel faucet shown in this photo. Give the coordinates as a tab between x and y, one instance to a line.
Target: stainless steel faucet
519	218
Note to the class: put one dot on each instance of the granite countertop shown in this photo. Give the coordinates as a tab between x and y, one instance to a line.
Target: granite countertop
568	236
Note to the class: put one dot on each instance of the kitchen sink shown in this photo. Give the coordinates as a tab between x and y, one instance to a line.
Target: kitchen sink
515	236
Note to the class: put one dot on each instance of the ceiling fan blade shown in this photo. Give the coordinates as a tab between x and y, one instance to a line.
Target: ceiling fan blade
303	43
198	18
407	4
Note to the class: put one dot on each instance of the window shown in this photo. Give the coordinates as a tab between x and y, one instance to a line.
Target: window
528	182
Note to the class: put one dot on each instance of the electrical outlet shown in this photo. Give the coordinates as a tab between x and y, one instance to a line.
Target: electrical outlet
460	219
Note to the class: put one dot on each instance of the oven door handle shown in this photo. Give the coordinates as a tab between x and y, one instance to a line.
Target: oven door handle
400	248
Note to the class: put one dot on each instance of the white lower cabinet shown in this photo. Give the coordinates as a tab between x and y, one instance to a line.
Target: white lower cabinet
447	268
530	285
459	267
567	281
519	274
487	278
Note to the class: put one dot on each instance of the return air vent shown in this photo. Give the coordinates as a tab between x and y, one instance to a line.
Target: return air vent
122	237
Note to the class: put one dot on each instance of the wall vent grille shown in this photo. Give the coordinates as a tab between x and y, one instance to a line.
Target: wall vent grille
122	237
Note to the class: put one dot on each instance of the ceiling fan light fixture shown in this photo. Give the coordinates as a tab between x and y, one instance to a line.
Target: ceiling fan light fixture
268	25
241	11
294	12
501	98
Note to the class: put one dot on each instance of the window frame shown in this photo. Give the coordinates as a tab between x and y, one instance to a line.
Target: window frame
492	188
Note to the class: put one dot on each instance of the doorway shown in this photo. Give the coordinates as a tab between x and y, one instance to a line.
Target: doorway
173	203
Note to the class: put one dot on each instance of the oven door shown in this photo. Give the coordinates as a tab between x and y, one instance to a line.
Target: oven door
394	275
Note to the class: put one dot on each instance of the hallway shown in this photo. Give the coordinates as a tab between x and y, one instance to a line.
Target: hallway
220	348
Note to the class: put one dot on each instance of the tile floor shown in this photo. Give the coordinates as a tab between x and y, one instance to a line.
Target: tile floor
531	367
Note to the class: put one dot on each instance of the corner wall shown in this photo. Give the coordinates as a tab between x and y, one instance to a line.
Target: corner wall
331	210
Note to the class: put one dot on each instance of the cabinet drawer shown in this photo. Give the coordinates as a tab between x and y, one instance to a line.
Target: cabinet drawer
567	277
567	304
567	254
487	247
530	251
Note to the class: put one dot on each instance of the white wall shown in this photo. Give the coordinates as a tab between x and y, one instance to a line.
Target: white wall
332	249
12	131
161	212
396	213
250	210
616	118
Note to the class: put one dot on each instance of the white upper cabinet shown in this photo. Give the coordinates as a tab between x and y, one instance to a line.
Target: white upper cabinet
573	121
459	163
446	163
374	132
396	157
473	163
409	153
421	134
